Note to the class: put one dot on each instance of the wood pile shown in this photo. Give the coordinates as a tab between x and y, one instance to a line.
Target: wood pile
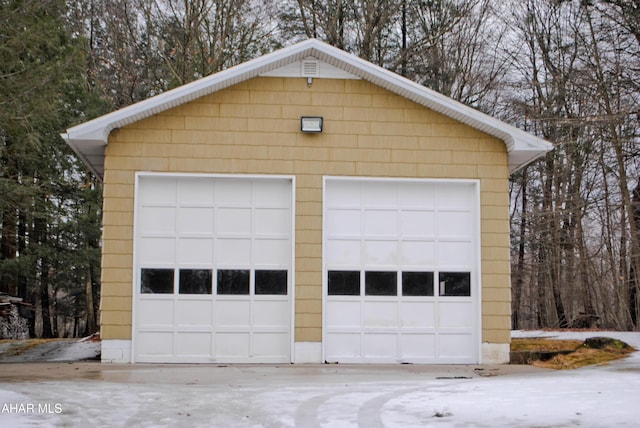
14	317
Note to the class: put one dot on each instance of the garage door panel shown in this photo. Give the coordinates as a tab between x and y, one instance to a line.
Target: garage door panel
271	313
155	313
233	192
382	253
343	223
417	196
195	191
382	194
156	251
381	346
157	191
455	197
418	314
195	251
155	343
455	224
193	344
233	221
275	194
343	252
272	221
455	315
233	313
418	254
268	344
421	346
344	194
271	252
380	223
418	224
194	313
343	314
158	220
233	252
343	346
455	254
380	314
456	346
195	220
232	345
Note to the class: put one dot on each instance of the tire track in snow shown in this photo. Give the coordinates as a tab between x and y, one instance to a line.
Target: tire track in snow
370	413
367	406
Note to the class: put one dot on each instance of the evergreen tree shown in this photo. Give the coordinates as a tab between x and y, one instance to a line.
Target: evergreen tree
43	187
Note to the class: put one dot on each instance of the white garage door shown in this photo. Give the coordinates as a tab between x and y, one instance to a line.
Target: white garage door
401	271
213	269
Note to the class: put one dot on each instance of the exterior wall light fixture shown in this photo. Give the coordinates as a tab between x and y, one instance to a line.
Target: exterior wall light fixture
311	124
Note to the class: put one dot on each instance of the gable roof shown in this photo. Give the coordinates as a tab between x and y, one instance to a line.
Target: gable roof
89	139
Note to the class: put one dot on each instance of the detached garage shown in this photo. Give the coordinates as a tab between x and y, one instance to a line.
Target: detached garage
305	207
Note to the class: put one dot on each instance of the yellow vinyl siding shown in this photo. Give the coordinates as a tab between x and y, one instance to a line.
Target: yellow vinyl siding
253	128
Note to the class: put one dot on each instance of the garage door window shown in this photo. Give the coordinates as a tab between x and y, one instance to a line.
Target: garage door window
156	281
233	281
195	281
271	282
343	283
385	283
229	281
380	283
455	284
417	283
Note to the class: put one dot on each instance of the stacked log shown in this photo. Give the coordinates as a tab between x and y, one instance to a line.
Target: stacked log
14	317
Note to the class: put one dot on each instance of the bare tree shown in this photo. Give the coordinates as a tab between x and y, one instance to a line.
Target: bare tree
576	240
564	70
139	48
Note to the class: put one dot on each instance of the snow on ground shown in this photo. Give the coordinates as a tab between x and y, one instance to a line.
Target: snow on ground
334	396
51	350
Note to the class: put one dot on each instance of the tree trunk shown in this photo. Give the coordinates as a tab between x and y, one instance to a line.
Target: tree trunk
8	250
519	273
612	126
45	305
90	326
634	279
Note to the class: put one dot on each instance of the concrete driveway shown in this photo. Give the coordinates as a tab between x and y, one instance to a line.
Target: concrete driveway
99	395
94	394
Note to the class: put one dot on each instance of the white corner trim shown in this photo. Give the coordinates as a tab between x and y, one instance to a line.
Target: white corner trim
495	353
116	351
307	353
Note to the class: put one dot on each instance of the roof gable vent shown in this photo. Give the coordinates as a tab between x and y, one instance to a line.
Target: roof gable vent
310	68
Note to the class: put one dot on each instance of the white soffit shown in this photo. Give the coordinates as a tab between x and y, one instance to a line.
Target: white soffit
89	139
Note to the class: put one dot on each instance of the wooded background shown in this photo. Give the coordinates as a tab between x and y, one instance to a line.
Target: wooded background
567	71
